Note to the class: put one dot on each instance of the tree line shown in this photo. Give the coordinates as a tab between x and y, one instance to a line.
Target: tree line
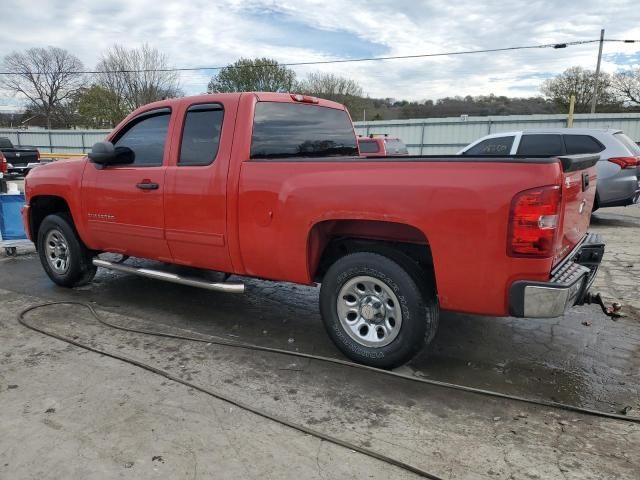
60	95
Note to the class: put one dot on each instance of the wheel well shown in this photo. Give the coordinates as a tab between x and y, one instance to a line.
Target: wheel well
42	206
331	240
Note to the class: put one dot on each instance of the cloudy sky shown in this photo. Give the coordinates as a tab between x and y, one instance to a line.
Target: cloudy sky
217	32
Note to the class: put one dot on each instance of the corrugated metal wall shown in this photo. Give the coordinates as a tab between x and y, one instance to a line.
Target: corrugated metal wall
434	136
429	136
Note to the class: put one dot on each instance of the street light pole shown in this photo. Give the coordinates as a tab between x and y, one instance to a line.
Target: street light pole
595	86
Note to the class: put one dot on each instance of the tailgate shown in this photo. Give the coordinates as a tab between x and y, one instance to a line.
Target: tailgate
20	158
578	195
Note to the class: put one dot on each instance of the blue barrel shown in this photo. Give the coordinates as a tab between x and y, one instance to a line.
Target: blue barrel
11	227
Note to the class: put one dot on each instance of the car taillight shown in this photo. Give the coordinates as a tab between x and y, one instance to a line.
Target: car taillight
533	222
4	167
38	155
625	162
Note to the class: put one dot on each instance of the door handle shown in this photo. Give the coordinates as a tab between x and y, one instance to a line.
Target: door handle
147	185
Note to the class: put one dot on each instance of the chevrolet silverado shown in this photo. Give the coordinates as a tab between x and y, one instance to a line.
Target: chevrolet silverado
272	186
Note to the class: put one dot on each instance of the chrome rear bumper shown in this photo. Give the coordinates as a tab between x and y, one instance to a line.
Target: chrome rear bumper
567	286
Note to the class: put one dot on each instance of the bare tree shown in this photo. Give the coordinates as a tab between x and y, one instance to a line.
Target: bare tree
136	77
334	87
579	82
626	85
47	77
329	86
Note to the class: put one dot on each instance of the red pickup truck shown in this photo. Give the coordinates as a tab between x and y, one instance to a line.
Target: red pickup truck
272	186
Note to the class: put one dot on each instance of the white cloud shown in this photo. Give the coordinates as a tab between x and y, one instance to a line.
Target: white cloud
217	32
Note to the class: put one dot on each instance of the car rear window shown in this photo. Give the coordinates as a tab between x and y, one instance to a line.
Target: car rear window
633	147
396	147
5	143
540	144
576	144
368	146
492	146
283	130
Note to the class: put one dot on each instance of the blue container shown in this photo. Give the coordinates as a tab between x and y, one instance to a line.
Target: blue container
11	227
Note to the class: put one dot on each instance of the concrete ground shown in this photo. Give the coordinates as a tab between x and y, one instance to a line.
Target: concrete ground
69	413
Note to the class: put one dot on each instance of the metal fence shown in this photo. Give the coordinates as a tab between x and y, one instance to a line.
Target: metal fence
441	136
429	136
63	141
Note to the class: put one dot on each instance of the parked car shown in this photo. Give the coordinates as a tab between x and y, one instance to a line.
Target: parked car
618	168
20	160
381	146
270	185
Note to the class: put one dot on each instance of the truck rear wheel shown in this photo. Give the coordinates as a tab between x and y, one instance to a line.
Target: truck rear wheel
63	255
375	309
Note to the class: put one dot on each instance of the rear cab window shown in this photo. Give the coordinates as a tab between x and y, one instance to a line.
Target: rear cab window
492	146
285	130
369	146
395	147
541	144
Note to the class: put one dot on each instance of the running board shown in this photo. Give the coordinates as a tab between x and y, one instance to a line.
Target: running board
228	287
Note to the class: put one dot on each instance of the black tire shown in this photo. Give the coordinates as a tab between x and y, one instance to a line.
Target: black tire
418	305
79	270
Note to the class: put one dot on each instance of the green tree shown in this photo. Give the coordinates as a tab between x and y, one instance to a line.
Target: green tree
257	75
581	83
99	107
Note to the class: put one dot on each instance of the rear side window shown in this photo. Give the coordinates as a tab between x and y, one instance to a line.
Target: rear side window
201	134
576	144
492	146
368	146
146	136
541	145
630	144
283	130
396	147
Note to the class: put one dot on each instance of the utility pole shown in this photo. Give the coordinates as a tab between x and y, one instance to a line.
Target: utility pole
595	87
572	104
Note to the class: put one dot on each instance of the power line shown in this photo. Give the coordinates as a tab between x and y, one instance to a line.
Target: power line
348	60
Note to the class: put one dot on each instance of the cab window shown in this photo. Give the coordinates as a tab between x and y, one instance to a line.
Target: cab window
201	135
146	136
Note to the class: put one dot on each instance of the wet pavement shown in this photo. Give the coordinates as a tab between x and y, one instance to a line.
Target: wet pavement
584	359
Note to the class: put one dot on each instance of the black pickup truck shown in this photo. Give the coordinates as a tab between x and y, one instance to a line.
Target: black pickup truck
20	160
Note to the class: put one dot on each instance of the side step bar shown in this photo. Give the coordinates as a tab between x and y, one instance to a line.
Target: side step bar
228	287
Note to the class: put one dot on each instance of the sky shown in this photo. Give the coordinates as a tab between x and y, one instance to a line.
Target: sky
218	32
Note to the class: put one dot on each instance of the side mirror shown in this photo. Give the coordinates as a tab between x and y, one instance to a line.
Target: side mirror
104	153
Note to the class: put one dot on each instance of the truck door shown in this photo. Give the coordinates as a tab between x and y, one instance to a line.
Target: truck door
196	186
123	204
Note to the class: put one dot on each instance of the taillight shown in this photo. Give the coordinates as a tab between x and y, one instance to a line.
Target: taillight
38	155
625	162
533	222
3	164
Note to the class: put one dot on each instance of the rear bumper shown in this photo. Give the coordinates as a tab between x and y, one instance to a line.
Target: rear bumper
568	285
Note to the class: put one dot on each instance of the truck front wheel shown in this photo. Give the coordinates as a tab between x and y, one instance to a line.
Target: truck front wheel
375	309
63	255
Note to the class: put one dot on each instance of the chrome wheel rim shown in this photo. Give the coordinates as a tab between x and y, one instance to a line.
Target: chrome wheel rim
57	251
369	311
